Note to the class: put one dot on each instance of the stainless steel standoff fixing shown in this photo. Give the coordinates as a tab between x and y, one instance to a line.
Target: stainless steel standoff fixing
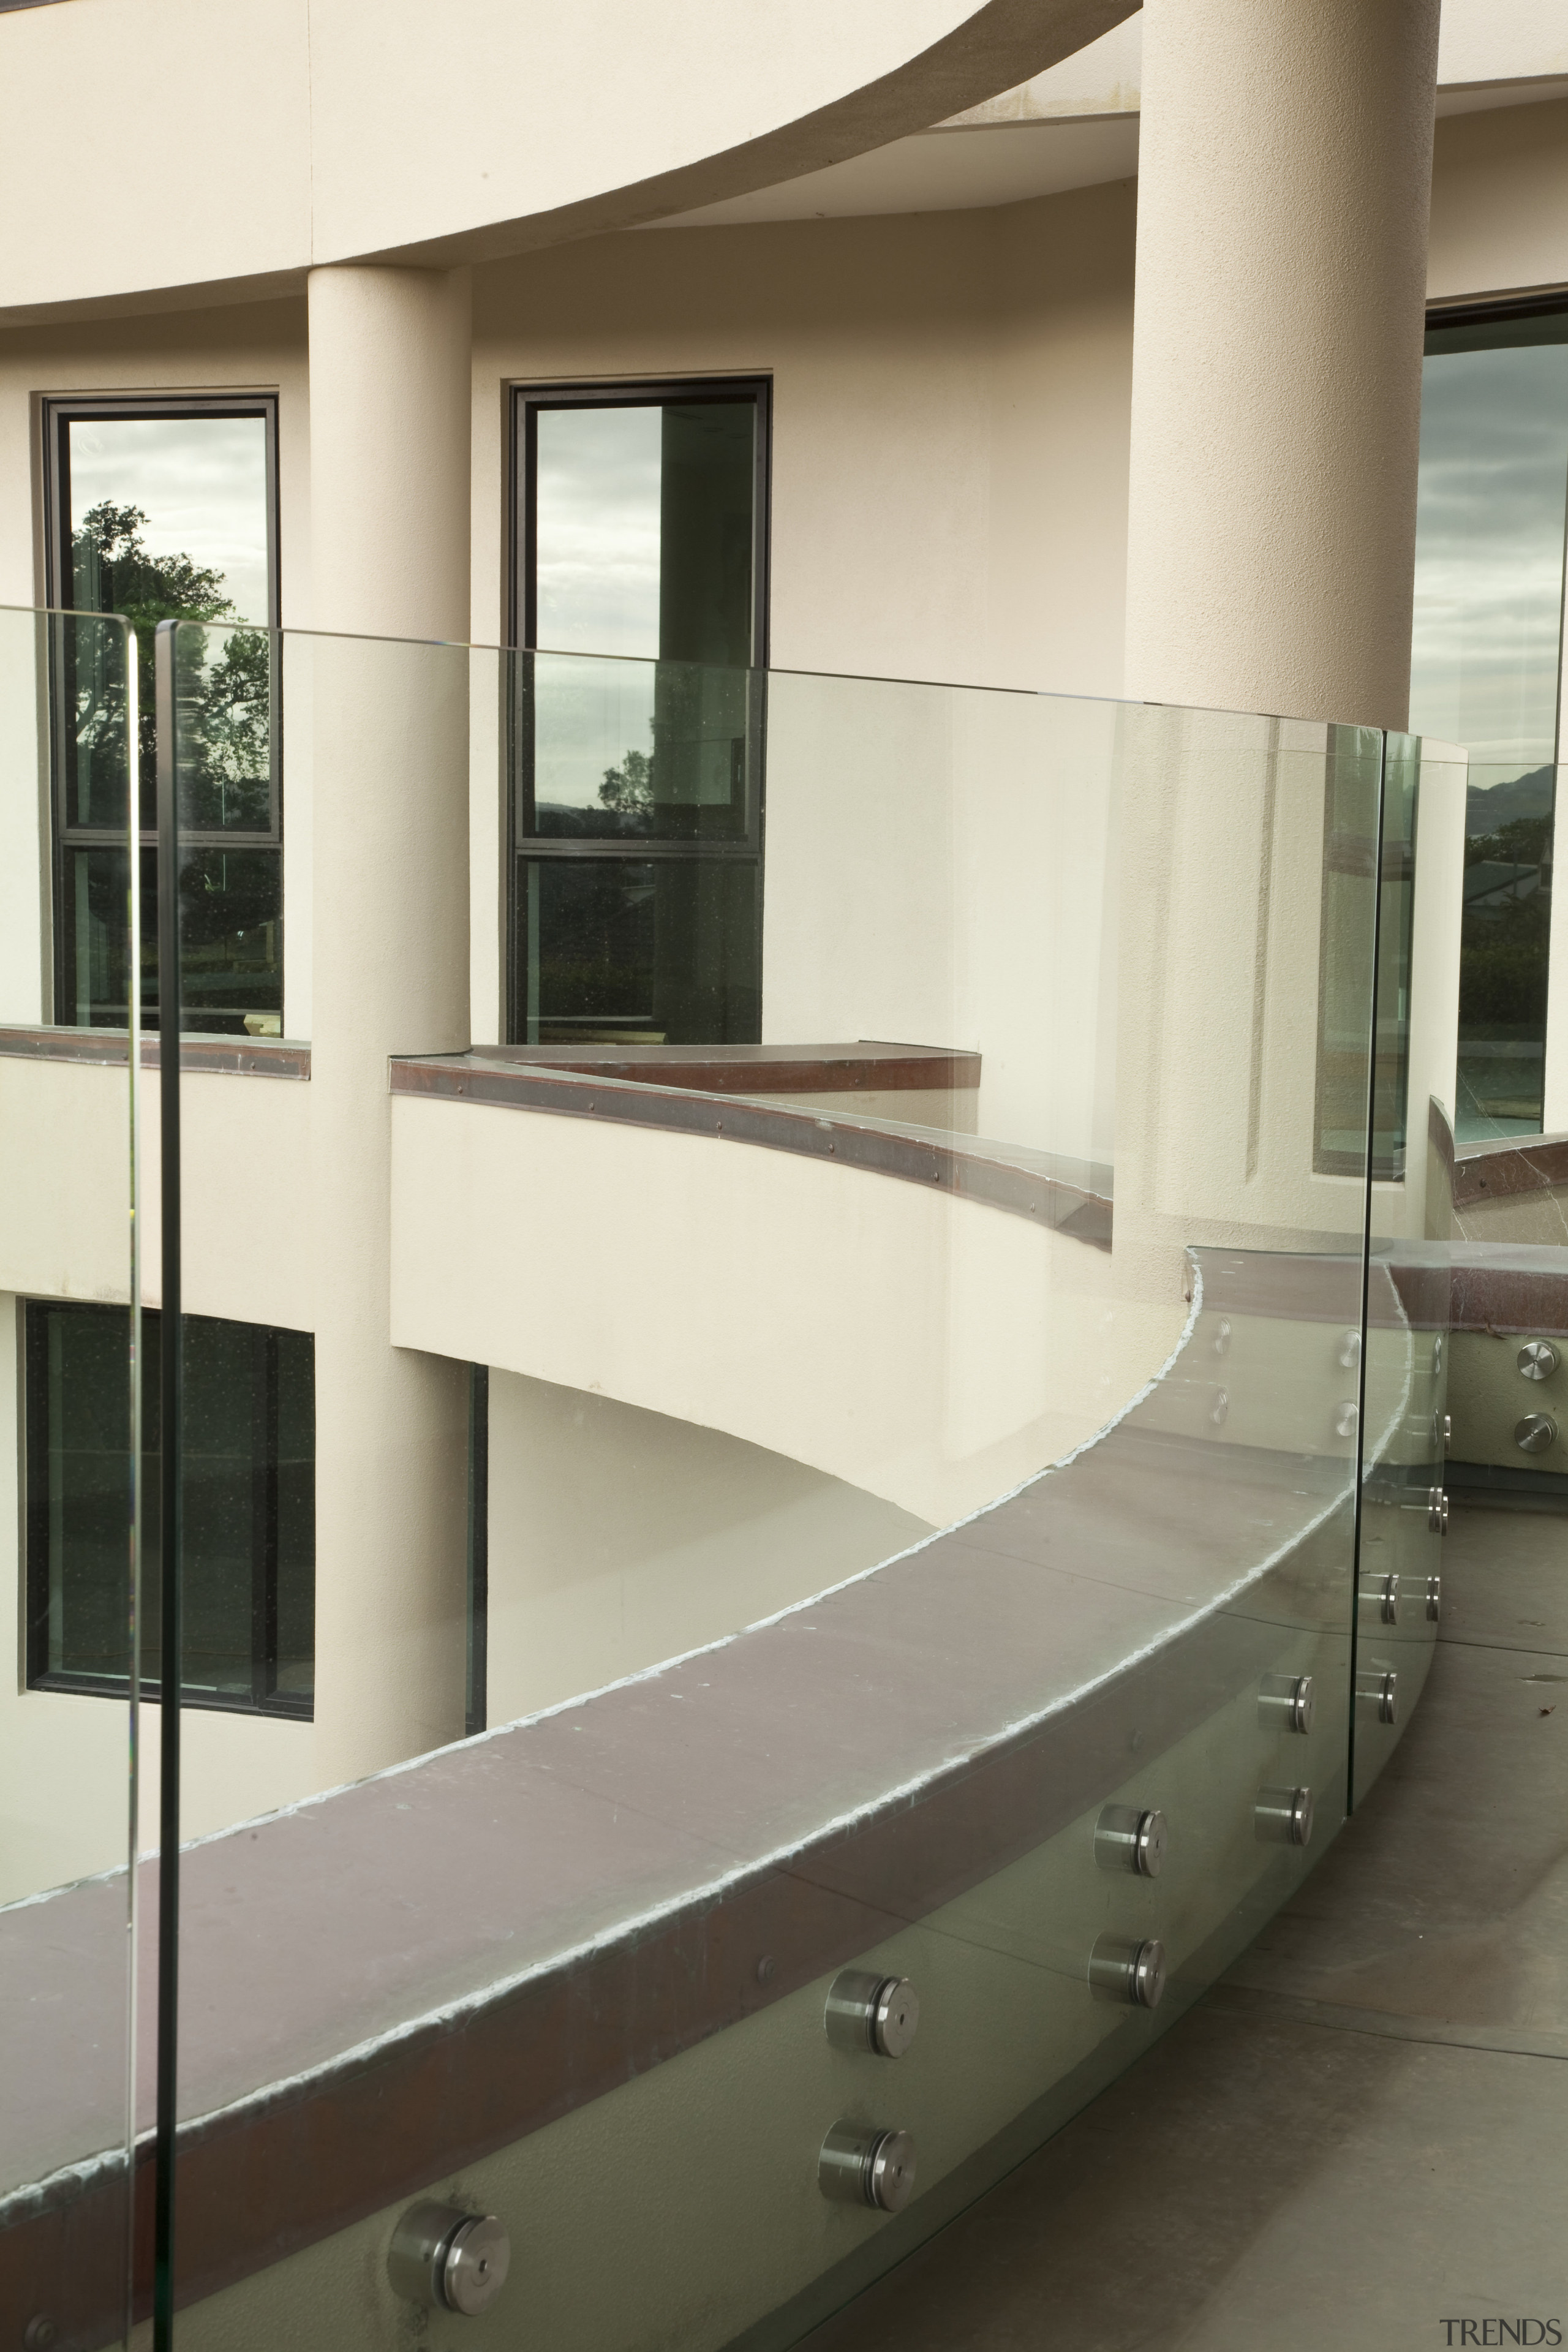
861	2166
1378	1693
1130	1837
868	2012
1286	1703
449	2260
1284	1815
1132	1972
1382	1592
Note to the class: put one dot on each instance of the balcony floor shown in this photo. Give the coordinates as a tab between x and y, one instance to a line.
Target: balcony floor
1362	2131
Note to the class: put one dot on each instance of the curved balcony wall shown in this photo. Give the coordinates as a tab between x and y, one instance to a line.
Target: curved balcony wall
755	1534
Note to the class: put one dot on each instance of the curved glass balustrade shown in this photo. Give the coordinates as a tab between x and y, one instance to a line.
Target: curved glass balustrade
819	1348
77	1806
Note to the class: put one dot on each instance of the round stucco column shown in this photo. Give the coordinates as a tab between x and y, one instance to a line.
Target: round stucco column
390	409
1284	180
387	719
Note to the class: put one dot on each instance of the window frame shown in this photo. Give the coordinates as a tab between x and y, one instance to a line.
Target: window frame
33	1433
525	400
58	412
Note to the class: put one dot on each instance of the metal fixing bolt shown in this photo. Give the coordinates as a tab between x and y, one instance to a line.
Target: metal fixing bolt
1535	1433
870	2011
1286	1703
1132	1972
449	2260
1284	1815
1538	1359
1382	1592
1127	1837
1378	1693
857	2167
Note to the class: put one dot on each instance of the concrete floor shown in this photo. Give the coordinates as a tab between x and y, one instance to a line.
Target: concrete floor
1362	2133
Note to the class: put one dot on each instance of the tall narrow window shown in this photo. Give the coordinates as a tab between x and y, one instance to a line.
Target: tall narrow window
637	763
1485	672
249	1487
158	510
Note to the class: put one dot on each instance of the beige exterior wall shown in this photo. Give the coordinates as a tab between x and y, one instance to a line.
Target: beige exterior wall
619	1538
949	419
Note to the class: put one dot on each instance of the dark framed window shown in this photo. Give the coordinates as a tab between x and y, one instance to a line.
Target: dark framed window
162	508
250	1540
637	711
1487	665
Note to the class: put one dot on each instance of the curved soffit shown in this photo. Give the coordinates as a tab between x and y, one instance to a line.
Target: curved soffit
297	132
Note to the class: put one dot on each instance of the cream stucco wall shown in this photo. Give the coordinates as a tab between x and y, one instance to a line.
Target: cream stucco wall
619	1537
930	372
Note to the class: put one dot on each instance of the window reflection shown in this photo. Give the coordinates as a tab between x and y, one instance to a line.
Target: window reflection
1485	671
641	559
249	1500
159	517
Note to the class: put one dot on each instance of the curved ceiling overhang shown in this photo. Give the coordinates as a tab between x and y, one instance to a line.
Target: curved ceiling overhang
269	136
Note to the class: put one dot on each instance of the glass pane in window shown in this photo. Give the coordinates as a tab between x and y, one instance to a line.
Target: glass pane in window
231	941
1489	550
228	730
644	529
1505	937
706	526
249	1497
1485	673
78	1432
598	490
95	941
622	750
164	515
661	950
292	1637
89	670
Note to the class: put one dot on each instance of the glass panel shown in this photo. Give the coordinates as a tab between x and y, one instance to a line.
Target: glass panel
666	952
1411	1289
77	2089
863	1456
1486	671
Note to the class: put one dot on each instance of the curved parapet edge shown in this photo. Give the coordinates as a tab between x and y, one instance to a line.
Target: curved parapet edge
909	1765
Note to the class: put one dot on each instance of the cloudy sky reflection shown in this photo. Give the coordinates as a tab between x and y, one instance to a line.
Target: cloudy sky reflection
201	482
599	482
1489	549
